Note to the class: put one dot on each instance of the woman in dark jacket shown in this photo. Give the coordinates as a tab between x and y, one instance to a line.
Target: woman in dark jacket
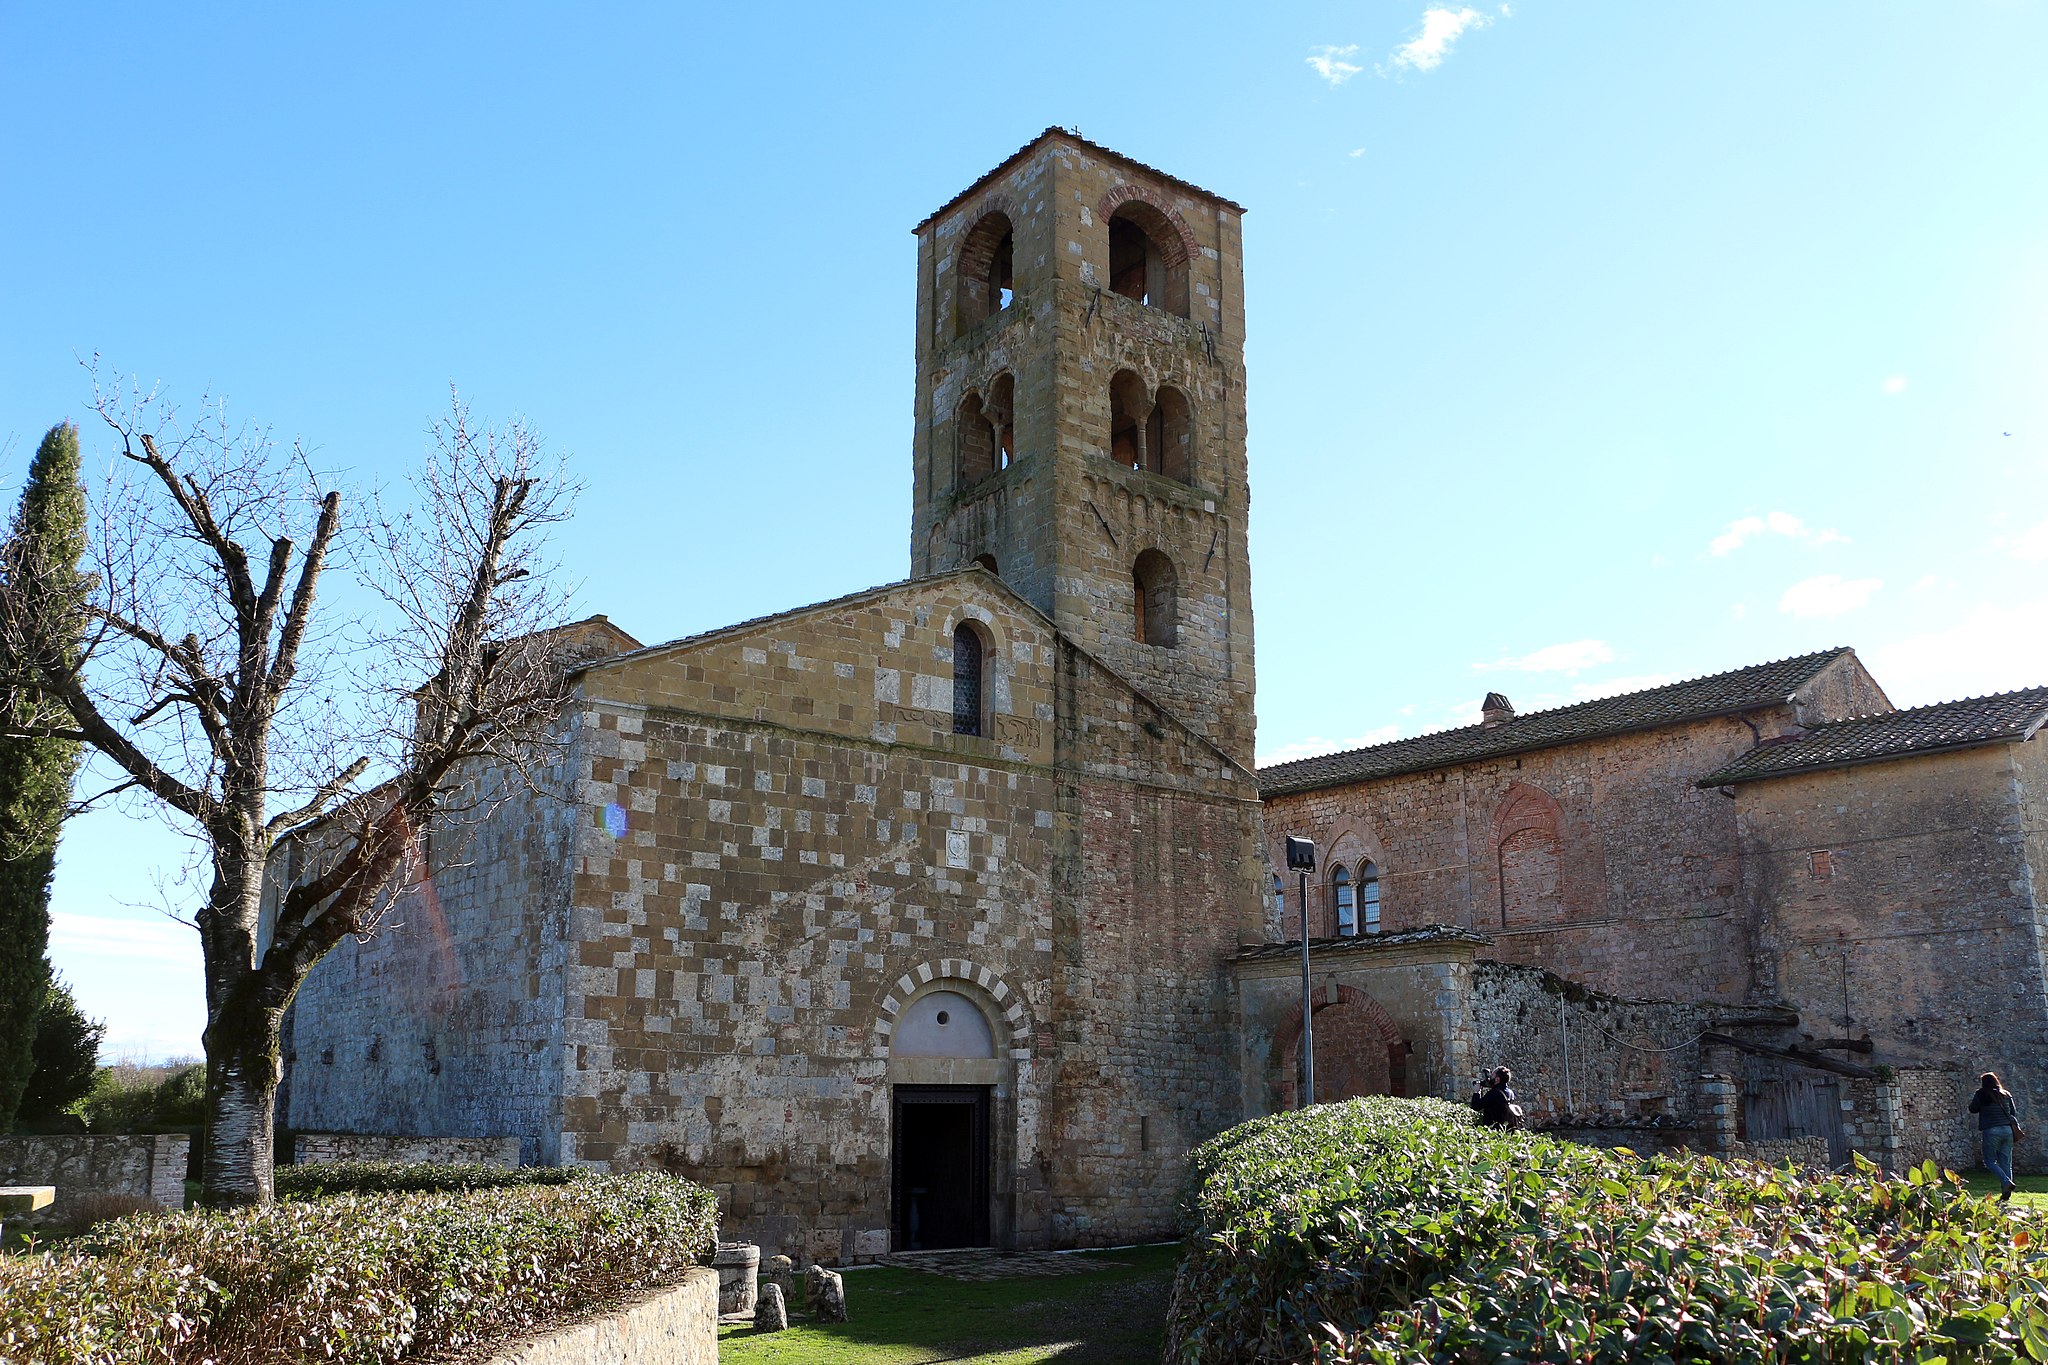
1998	1123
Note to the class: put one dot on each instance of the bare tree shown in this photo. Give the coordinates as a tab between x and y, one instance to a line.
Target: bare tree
211	685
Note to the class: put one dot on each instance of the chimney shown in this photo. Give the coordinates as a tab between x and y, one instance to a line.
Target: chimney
1495	710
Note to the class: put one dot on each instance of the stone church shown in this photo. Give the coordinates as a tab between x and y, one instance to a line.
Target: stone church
944	913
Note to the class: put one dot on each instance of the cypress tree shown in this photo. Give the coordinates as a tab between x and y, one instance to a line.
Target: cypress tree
43	600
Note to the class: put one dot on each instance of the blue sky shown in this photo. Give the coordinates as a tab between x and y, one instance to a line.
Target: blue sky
1591	345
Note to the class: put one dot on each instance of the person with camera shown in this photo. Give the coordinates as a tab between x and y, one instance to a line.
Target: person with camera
1495	1100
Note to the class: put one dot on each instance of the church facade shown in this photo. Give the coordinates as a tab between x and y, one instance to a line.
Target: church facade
901	918
945	913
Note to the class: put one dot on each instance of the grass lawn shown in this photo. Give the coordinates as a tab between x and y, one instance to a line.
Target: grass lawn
2032	1189
906	1317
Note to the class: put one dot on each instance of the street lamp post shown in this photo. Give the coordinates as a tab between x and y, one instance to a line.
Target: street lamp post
1301	857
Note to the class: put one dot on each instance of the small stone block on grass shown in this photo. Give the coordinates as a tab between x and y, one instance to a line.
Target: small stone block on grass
826	1294
770	1314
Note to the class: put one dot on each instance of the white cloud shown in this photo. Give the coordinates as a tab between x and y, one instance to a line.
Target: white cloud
1739	610
1315	746
2029	546
1745	529
1828	594
153	940
1991	649
1329	63
1574	657
1441	28
1355	153
1895	384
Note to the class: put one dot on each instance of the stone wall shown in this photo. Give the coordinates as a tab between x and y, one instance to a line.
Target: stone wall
675	1325
1808	1153
1641	1138
149	1167
1935	1122
448	1020
1628	1060
313	1148
1896	903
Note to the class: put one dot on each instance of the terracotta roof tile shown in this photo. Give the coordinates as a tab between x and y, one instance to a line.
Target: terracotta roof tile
1964	724
1743	689
1079	141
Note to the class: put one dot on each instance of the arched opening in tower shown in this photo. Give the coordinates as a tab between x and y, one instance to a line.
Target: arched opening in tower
1154	588
987	276
1148	262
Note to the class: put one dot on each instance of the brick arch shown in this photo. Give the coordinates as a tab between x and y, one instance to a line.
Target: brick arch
1355	1043
1179	247
1528	844
976	251
951	973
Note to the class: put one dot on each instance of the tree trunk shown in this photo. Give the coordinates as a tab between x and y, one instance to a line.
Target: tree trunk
242	1073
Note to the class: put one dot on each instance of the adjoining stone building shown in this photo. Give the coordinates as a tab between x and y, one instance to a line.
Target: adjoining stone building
1835	904
944	913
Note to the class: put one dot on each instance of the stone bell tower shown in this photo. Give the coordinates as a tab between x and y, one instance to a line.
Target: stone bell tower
1080	424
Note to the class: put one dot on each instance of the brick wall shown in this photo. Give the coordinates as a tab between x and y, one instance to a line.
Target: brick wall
146	1166
310	1149
1600	861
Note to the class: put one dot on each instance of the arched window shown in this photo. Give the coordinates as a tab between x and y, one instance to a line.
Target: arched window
1153	594
985	270
1129	409
1148	261
1369	897
1001	411
1170	436
975	438
966	680
988	562
1279	895
1343	901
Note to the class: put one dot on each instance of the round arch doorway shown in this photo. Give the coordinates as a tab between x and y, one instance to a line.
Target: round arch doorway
944	1049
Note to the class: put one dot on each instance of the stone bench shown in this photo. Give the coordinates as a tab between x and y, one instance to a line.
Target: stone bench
19	1201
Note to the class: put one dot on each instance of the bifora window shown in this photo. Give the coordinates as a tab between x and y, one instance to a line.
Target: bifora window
966	680
1343	896
1369	897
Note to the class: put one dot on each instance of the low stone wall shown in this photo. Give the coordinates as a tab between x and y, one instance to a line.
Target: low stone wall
313	1148
143	1167
1807	1153
677	1325
1644	1139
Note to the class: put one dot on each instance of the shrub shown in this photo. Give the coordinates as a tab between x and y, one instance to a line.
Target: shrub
1395	1230
66	1051
321	1179
355	1279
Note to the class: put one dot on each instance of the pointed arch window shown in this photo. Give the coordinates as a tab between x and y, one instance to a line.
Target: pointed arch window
1369	896
1344	900
967	658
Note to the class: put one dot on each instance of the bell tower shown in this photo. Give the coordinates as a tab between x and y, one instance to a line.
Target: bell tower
1080	416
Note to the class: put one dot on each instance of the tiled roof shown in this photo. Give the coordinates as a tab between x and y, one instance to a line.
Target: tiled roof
1361	943
1963	724
1720	694
1079	141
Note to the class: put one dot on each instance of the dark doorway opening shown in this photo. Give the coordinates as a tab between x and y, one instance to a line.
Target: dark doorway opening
939	1153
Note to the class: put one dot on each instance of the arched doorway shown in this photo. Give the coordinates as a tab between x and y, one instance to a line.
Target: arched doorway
1359	1051
939	1133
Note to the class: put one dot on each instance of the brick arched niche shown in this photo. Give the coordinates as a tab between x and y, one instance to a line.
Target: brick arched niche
1528	842
1150	248
1359	1049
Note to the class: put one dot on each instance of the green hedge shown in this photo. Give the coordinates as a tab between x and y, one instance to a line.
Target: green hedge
322	1179
355	1279
1391	1230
